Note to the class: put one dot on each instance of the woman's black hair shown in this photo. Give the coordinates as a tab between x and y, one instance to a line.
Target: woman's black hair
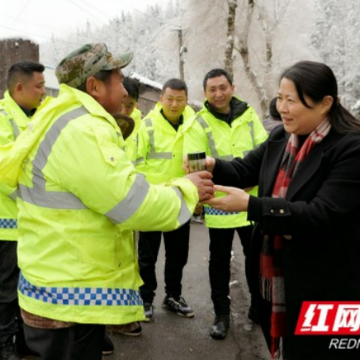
316	80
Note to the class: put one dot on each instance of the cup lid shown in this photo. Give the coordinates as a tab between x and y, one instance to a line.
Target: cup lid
197	155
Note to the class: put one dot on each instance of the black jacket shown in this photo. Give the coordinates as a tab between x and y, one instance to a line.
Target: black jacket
321	212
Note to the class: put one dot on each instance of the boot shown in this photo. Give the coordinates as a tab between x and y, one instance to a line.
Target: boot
220	327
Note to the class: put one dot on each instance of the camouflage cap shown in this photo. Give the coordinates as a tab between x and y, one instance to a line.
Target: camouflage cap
87	61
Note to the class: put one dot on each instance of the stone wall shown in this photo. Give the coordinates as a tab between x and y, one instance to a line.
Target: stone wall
13	51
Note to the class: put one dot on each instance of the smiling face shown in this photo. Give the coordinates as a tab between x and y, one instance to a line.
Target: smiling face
218	92
297	118
173	103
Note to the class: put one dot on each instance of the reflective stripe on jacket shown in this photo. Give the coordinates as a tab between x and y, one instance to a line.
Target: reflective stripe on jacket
223	141
160	146
13	121
131	141
80	199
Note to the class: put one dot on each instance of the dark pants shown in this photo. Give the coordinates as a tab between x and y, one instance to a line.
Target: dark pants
219	264
9	277
176	254
80	342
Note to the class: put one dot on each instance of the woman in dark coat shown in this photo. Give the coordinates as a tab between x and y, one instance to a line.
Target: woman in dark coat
306	246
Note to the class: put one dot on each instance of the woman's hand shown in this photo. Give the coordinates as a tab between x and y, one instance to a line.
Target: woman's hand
234	200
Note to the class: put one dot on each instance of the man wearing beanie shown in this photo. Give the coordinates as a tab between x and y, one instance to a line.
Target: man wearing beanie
79	200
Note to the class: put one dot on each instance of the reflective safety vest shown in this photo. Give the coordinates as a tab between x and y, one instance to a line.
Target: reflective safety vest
160	146
131	141
13	121
80	199
223	141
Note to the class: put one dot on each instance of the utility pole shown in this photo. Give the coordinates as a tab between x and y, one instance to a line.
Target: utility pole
182	50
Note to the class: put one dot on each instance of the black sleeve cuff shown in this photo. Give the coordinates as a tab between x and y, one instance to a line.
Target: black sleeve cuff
217	172
255	209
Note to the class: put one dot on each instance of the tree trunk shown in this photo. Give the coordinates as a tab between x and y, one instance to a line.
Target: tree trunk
244	53
228	62
268	25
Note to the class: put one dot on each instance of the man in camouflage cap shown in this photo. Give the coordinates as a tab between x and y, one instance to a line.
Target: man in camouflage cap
79	200
87	61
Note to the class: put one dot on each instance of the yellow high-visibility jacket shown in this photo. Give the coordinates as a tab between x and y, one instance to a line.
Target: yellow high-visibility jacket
223	141
160	146
13	121
80	199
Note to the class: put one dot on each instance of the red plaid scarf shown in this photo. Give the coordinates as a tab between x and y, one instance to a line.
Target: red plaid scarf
271	271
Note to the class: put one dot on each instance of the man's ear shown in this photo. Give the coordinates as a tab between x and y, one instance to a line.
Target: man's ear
92	86
18	87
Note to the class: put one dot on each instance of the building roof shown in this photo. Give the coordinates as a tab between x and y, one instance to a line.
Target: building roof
145	81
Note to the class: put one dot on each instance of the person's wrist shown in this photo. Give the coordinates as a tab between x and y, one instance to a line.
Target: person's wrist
210	164
247	200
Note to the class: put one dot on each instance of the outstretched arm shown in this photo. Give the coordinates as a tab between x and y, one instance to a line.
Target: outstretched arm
234	200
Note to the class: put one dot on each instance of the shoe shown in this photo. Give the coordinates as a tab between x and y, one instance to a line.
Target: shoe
108	346
131	329
134	329
220	327
196	219
178	306
149	311
253	314
8	351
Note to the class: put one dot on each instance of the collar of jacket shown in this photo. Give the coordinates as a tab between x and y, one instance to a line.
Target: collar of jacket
13	108
178	123
276	147
237	108
88	102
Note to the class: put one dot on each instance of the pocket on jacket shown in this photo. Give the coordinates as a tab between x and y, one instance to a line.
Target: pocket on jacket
109	149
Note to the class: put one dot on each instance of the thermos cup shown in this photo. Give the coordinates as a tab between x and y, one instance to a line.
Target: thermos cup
197	161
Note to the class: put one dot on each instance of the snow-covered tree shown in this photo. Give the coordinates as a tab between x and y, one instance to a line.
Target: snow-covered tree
228	60
263	38
337	38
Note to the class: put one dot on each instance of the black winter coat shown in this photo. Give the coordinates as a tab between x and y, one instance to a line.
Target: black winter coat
321	212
